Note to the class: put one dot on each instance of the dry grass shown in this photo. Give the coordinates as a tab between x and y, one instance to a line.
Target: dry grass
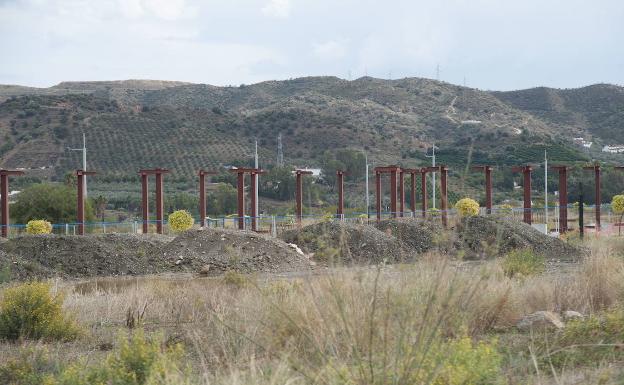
377	325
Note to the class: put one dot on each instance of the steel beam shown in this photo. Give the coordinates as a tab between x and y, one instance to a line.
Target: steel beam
488	186
423	191
563	197
4	199
393	193
299	194
401	192
202	196
378	194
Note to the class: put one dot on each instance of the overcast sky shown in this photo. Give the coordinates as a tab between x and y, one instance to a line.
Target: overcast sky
494	44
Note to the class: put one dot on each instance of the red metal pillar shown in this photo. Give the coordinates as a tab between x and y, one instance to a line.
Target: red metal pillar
423	190
80	206
340	183
528	218
241	200
563	198
144	201
4	200
393	192
401	192
488	189
378	194
413	192
526	173
444	194
159	202
254	206
202	198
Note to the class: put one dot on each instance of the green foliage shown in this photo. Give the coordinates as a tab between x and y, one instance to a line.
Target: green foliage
223	200
180	221
236	279
30	311
32	367
52	202
523	263
38	226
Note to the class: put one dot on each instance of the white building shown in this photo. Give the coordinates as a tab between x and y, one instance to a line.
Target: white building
613	149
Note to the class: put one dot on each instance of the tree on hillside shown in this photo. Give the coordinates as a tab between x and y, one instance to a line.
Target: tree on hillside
53	202
100	206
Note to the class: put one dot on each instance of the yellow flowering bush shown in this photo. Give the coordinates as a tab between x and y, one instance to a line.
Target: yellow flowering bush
617	206
30	311
38	226
180	221
467	207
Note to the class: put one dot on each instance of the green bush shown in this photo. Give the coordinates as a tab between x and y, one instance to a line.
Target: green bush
180	221
525	262
30	311
53	202
38	226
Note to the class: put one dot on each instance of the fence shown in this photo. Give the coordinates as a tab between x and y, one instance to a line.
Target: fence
542	218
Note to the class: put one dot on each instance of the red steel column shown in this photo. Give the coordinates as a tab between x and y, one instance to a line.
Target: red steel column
444	196
527	194
563	200
202	199
340	182
159	202
401	192
598	198
254	206
423	190
299	198
144	202
241	200
81	192
378	194
4	191
393	193
80	211
413	192
488	189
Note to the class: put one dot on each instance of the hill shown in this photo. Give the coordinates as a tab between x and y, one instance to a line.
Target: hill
135	123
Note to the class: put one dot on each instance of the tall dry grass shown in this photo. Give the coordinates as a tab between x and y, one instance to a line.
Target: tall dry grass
429	322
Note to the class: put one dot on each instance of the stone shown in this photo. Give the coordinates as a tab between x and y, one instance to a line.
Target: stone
570	315
204	270
540	320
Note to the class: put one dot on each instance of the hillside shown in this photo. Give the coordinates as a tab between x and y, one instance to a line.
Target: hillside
134	124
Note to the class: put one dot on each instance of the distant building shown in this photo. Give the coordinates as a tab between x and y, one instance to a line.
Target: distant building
315	171
613	149
582	142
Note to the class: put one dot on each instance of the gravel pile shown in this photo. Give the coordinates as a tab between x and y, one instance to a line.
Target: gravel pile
339	242
417	235
213	251
39	256
488	236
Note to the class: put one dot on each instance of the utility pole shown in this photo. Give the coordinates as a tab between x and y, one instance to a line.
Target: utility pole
280	151
84	160
433	174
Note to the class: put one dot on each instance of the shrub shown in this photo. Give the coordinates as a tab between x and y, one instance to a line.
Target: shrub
523	263
506	209
180	221
467	207
617	206
30	311
38	226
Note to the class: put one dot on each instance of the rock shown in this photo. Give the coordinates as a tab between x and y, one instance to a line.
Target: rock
540	320
204	270
570	315
297	249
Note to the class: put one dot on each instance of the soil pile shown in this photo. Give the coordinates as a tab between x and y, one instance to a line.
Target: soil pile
39	256
340	242
218	250
488	236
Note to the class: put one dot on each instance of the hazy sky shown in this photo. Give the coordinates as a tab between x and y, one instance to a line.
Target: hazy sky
493	44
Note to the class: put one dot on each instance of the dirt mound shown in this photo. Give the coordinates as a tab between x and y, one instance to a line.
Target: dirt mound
487	236
39	256
225	250
348	243
416	234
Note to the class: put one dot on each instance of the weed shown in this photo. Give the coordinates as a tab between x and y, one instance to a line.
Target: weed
30	311
523	263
